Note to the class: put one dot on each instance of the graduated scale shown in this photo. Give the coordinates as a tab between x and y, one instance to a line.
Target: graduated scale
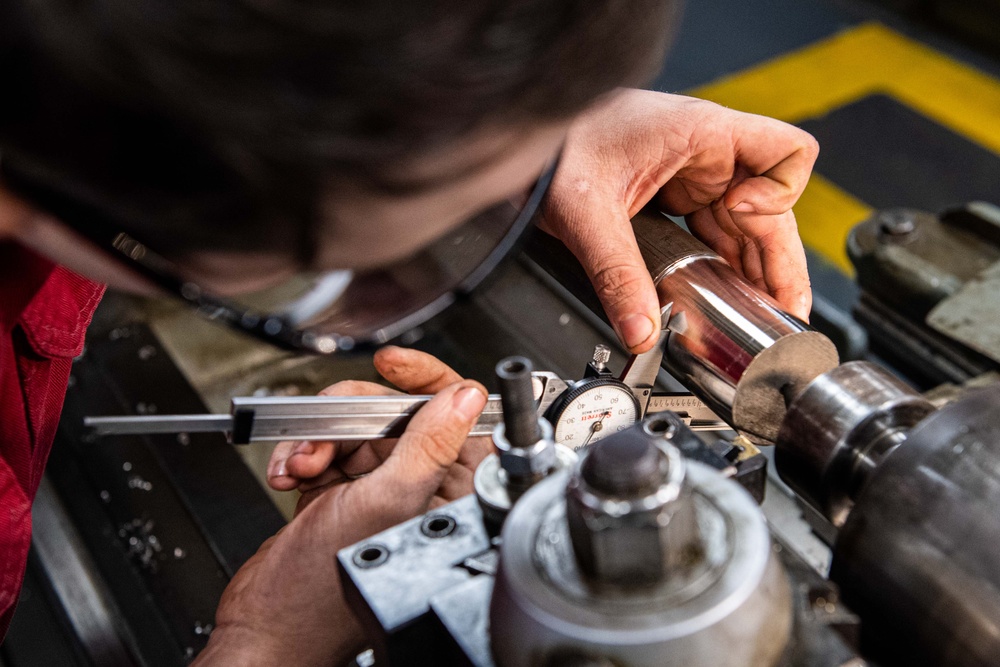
581	412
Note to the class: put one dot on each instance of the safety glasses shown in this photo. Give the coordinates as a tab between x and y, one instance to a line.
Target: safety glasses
334	311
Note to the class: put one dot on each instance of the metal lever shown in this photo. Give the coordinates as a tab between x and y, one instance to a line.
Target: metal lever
641	369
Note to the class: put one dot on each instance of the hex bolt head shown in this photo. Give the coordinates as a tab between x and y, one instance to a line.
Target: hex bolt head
896	223
631	519
526	463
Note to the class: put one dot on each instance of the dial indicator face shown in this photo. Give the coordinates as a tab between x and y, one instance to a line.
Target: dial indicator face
593	410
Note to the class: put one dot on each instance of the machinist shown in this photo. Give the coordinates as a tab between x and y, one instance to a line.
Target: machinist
243	142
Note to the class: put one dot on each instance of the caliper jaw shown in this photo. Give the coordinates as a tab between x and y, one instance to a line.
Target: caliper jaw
547	387
641	369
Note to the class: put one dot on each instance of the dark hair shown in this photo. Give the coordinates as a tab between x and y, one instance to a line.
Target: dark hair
214	123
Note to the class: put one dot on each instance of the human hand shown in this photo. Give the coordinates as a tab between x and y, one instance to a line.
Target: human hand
735	176
285	605
312	467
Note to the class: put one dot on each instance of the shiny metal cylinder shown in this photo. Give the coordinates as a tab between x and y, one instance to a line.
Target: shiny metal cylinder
729	606
919	556
731	345
839	429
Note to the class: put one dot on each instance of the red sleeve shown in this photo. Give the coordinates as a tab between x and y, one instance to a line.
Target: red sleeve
44	313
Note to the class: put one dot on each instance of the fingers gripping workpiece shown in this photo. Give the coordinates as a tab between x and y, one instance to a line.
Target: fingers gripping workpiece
731	345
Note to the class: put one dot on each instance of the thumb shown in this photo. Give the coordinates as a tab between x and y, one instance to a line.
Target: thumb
605	245
428	448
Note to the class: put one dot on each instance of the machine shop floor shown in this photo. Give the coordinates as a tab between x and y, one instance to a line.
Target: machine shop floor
905	115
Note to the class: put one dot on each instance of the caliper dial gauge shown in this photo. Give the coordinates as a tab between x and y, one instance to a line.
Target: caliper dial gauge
592	409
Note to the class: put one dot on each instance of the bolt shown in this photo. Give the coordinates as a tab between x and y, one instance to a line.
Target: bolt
630	518
526	465
518	402
896	223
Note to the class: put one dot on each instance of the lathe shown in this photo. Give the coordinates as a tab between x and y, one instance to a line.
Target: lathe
619	523
632	554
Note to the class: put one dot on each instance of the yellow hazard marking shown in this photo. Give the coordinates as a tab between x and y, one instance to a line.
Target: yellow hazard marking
864	60
826	213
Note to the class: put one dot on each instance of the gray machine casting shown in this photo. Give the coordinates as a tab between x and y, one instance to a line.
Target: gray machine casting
636	555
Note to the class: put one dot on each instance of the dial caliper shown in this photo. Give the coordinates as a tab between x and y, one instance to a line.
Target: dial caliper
581	412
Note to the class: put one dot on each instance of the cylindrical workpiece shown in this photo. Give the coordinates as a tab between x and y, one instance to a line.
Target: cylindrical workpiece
839	429
918	559
730	344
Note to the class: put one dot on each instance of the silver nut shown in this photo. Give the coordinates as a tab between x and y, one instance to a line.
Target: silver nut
538	459
523	462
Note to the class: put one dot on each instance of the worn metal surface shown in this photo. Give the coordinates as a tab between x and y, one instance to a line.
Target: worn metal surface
155	513
93	618
630	514
729	344
825	633
839	429
917	558
393	598
925	289
970	315
730	606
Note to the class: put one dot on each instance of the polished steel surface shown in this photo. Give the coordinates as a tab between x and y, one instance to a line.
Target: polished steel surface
729	343
838	430
730	608
277	418
919	556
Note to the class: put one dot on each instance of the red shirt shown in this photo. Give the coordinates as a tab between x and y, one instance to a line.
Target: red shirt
44	313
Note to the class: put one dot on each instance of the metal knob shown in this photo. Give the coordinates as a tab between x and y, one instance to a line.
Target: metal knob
602	355
631	518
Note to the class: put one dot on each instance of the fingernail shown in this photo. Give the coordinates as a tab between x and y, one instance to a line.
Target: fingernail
281	470
743	207
469	402
304	447
635	329
804	307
